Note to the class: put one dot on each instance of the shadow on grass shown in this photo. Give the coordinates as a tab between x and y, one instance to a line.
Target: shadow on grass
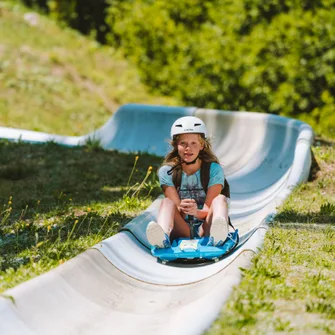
315	168
325	215
58	201
31	242
45	178
323	142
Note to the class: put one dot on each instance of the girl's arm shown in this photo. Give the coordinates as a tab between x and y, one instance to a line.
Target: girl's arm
185	206
213	191
171	193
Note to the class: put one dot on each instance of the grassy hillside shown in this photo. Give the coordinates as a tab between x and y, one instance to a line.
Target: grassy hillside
53	79
270	56
57	201
290	287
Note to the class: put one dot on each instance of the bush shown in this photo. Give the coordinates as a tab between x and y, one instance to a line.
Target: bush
87	16
271	56
268	56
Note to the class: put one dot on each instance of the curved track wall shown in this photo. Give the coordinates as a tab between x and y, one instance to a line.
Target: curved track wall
117	286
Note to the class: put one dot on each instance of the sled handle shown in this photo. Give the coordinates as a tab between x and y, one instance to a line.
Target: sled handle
190	221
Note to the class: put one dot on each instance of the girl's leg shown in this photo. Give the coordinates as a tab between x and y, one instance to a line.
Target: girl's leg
169	224
181	228
218	208
171	221
166	215
158	232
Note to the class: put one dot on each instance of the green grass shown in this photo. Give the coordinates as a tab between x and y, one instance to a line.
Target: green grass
56	201
290	286
52	79
59	201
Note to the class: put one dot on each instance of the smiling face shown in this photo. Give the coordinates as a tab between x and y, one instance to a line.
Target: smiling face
189	146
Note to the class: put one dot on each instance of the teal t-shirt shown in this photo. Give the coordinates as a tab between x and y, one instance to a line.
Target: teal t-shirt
191	187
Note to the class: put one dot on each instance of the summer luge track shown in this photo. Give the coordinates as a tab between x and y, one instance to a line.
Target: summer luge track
117	286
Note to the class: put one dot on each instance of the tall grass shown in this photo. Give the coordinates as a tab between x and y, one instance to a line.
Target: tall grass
290	286
56	81
73	200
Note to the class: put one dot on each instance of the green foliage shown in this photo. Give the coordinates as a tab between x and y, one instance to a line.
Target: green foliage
16	170
275	56
93	144
53	79
321	306
87	16
327	209
75	198
266	303
292	277
265	269
38	4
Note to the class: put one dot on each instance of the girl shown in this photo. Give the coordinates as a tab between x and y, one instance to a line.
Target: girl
208	211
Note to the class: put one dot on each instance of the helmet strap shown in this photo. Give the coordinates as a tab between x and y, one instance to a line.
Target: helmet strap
173	168
180	164
193	162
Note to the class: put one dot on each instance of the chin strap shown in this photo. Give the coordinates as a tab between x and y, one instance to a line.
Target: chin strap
193	162
173	168
180	163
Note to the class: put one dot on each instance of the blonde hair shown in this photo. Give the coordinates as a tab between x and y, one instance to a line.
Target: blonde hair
206	154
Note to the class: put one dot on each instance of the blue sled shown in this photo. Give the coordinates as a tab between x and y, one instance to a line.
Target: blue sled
186	249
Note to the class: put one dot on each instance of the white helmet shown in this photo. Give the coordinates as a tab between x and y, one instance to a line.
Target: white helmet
188	125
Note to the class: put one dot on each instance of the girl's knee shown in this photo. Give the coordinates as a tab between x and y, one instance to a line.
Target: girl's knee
220	199
166	202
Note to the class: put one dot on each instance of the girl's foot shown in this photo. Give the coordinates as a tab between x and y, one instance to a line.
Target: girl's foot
219	231
156	236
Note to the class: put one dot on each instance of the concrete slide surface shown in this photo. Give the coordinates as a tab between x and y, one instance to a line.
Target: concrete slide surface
117	287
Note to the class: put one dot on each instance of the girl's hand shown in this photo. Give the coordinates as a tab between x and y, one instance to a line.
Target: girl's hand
189	207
